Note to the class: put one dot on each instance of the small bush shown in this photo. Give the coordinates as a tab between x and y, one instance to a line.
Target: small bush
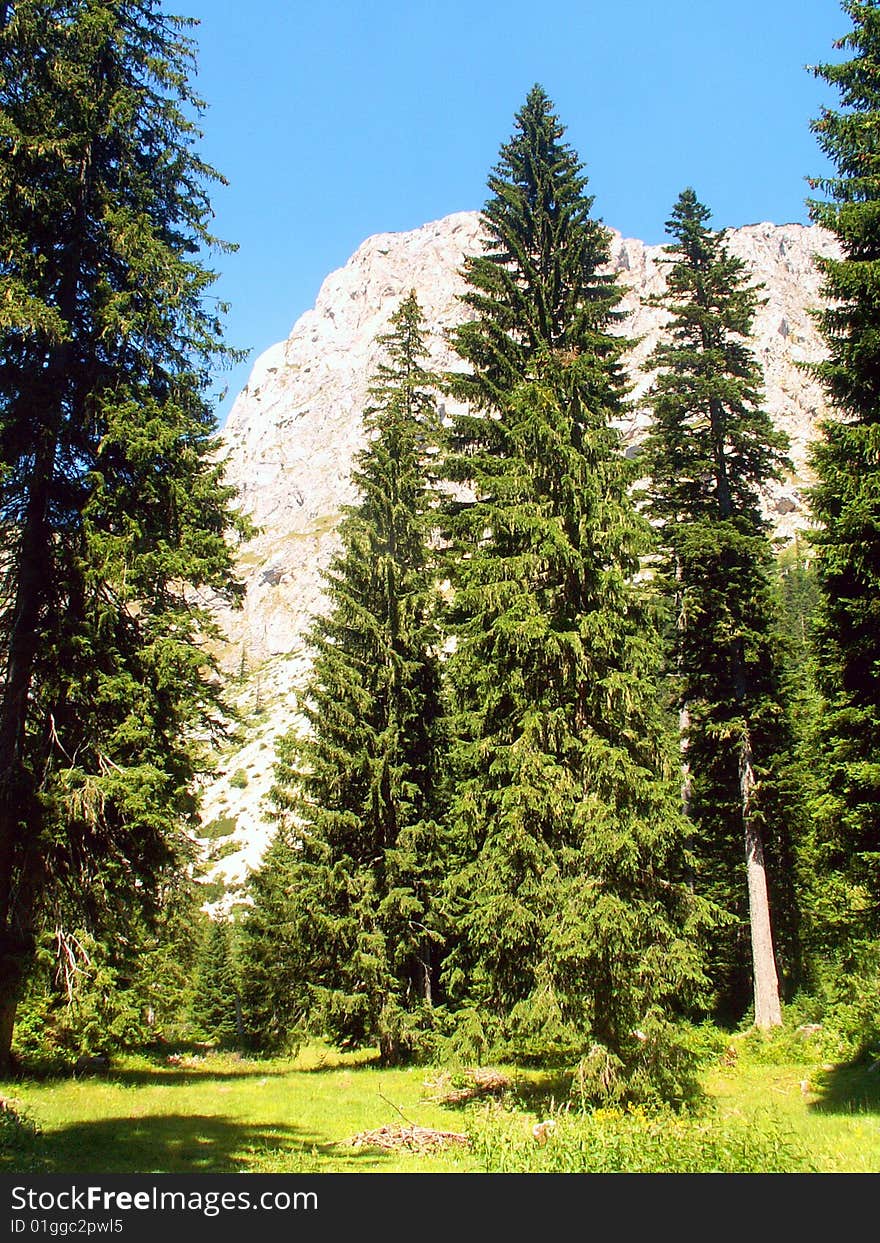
239	779
783	1046
212	890
19	1141
223	826
225	849
843	1008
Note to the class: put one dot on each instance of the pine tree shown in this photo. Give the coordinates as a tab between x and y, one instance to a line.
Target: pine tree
274	960
363	783
845	502
216	1006
112	510
572	933
711	449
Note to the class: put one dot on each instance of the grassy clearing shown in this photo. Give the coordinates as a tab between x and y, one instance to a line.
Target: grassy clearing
833	1111
221	1114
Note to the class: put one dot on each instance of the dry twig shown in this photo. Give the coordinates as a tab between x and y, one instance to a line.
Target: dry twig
410	1138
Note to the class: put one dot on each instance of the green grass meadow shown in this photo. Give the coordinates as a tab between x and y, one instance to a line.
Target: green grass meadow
221	1114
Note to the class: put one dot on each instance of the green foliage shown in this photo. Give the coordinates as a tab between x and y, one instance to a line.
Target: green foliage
793	1044
91	1011
853	1021
213	891
799	598
845	502
844	1006
112	505
20	1148
710	450
222	826
85	995
216	1006
239	779
273	973
359	790
570	925
612	1141
226	848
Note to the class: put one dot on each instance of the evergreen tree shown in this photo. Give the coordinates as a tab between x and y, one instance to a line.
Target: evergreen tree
572	933
216	1007
274	962
112	510
363	783
845	501
711	449
799	599
126	991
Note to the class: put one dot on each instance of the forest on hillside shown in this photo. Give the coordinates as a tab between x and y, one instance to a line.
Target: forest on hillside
590	764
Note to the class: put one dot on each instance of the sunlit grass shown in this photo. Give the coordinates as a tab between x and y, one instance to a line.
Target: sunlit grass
220	1114
833	1111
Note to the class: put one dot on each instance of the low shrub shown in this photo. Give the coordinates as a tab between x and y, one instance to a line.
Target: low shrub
222	826
19	1141
791	1044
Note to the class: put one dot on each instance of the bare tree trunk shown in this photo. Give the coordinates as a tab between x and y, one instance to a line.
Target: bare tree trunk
684	725
768	1012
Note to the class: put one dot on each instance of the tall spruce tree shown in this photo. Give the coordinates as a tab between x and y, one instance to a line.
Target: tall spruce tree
111	508
710	451
362	785
845	501
572	933
274	975
216	1004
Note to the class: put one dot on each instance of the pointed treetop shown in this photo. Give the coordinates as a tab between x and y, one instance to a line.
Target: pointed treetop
537	150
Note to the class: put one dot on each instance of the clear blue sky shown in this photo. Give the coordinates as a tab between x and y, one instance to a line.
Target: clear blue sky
336	119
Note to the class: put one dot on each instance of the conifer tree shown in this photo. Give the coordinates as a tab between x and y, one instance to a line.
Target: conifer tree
216	1006
572	933
711	449
274	961
362	785
845	502
112	510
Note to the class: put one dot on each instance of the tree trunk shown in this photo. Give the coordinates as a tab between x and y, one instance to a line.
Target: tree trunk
687	789
684	719
42	406
768	1012
19	814
8	1007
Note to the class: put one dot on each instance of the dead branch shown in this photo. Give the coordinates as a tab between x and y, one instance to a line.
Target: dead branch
409	1138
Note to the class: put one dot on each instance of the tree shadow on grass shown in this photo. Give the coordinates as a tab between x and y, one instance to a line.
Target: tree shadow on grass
182	1144
849	1089
544	1093
333	1062
186	1076
541	1092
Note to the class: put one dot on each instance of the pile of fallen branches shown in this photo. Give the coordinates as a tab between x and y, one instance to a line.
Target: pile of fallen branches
411	1138
478	1083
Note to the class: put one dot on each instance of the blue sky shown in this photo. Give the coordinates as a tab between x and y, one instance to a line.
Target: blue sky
336	120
